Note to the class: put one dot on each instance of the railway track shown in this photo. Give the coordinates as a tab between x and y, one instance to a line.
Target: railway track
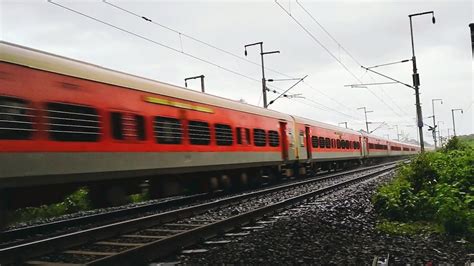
22	234
36	232
144	238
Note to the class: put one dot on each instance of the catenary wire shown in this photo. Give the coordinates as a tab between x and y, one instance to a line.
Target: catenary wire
348	53
334	57
147	19
160	44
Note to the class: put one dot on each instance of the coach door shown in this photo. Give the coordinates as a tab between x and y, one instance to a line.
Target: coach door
308	141
284	141
365	146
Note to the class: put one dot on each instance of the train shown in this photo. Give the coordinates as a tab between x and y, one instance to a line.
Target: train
66	123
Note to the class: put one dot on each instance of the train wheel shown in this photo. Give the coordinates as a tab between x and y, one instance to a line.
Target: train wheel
213	184
225	183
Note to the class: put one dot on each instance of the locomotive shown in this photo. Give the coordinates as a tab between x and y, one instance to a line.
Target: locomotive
66	123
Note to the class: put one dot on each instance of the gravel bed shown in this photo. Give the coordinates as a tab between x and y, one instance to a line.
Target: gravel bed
69	258
337	229
272	198
226	212
116	208
102	248
89	212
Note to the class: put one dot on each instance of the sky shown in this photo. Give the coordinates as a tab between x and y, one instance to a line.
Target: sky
326	40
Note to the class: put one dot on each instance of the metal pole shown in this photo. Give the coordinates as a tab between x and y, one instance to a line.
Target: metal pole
472	37
195	77
416	81
264	81
434	119
366	123
440	138
202	84
434	124
454	123
365	114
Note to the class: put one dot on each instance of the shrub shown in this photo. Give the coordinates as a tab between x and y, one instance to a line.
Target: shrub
434	186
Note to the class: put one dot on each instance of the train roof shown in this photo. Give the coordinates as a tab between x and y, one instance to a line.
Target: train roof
41	60
307	121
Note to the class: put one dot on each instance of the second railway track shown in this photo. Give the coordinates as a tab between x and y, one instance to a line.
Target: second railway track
149	237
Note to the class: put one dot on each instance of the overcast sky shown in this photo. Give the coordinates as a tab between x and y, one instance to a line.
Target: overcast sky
373	32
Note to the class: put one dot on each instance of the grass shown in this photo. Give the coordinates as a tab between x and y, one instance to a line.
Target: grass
77	201
136	198
410	228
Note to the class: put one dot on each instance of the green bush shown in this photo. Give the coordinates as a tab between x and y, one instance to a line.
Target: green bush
434	186
77	201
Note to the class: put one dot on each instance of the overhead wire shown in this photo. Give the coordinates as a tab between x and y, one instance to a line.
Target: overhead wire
155	42
159	44
333	56
190	37
147	19
348	53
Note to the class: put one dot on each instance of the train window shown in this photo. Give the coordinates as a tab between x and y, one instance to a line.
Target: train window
117	126
168	130
140	123
224	135
127	126
273	138
238	135
259	137
68	122
328	143
247	136
15	119
322	144
338	143
371	145
199	133
314	141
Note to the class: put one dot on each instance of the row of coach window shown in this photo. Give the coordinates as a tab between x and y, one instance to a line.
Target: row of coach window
67	122
328	143
378	146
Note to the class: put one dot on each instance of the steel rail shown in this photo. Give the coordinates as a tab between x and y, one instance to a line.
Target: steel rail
164	247
23	232
8	237
23	252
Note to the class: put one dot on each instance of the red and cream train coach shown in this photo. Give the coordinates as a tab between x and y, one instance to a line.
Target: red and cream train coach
64	121
326	146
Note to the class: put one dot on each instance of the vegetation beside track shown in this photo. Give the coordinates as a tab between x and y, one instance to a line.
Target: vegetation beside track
432	193
75	202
